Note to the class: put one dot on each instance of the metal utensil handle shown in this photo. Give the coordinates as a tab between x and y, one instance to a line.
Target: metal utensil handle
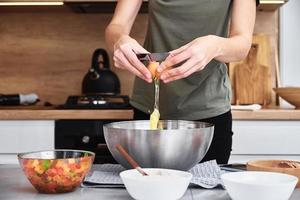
131	161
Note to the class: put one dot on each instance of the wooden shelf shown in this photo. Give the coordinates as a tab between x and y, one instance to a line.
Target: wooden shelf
267	114
49	113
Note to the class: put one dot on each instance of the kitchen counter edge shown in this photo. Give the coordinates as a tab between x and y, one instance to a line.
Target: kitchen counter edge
123	114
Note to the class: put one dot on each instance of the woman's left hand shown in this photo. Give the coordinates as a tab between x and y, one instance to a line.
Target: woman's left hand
196	55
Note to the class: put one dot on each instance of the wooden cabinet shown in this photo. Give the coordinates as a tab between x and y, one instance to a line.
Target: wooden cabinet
265	5
90	1
11	1
29	3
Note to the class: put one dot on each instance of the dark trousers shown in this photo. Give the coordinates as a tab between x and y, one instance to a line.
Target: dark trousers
220	147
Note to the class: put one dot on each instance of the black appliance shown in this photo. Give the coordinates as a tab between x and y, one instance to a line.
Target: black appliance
100	90
83	135
96	102
88	134
100	79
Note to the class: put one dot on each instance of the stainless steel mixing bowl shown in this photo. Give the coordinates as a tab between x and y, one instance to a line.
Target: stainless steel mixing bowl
179	145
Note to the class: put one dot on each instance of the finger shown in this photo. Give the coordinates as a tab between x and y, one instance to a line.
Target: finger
118	65
133	71
174	60
126	65
178	70
197	67
134	61
179	50
181	76
140	49
123	63
117	62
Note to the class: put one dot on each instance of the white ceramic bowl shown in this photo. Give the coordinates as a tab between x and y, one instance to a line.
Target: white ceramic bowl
161	184
253	185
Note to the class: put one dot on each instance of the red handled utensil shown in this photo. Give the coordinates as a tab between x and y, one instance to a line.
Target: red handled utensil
131	161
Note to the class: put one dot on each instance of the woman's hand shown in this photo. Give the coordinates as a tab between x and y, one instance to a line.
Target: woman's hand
201	51
195	55
125	50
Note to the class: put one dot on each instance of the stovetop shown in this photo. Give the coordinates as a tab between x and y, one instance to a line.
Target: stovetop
96	102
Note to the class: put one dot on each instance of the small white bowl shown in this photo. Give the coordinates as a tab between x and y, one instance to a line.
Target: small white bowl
250	185
161	184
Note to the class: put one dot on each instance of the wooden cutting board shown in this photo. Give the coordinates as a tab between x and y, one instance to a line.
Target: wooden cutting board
252	80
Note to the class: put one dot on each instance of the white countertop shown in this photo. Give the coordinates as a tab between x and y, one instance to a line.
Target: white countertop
15	186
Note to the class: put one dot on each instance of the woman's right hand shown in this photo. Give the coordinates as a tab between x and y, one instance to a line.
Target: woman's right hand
125	50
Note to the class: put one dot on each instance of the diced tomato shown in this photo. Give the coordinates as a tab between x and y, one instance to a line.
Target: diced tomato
56	176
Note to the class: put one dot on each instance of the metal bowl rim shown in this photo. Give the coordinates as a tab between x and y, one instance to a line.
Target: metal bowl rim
20	155
110	125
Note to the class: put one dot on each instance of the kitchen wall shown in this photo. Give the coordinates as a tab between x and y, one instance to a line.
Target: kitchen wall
49	52
290	43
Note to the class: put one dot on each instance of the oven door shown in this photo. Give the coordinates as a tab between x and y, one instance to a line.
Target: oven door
83	135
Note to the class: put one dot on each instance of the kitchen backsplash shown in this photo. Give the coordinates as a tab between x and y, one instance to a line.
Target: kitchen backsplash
49	53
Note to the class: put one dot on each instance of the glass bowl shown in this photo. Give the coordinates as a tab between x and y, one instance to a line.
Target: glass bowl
56	171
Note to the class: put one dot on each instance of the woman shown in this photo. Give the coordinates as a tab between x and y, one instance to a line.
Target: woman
195	32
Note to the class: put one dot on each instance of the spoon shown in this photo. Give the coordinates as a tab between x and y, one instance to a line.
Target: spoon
131	161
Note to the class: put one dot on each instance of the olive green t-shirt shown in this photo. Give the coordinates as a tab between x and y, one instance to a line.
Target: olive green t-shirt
173	23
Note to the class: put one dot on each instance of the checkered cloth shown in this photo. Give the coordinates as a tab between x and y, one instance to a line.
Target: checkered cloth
206	175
